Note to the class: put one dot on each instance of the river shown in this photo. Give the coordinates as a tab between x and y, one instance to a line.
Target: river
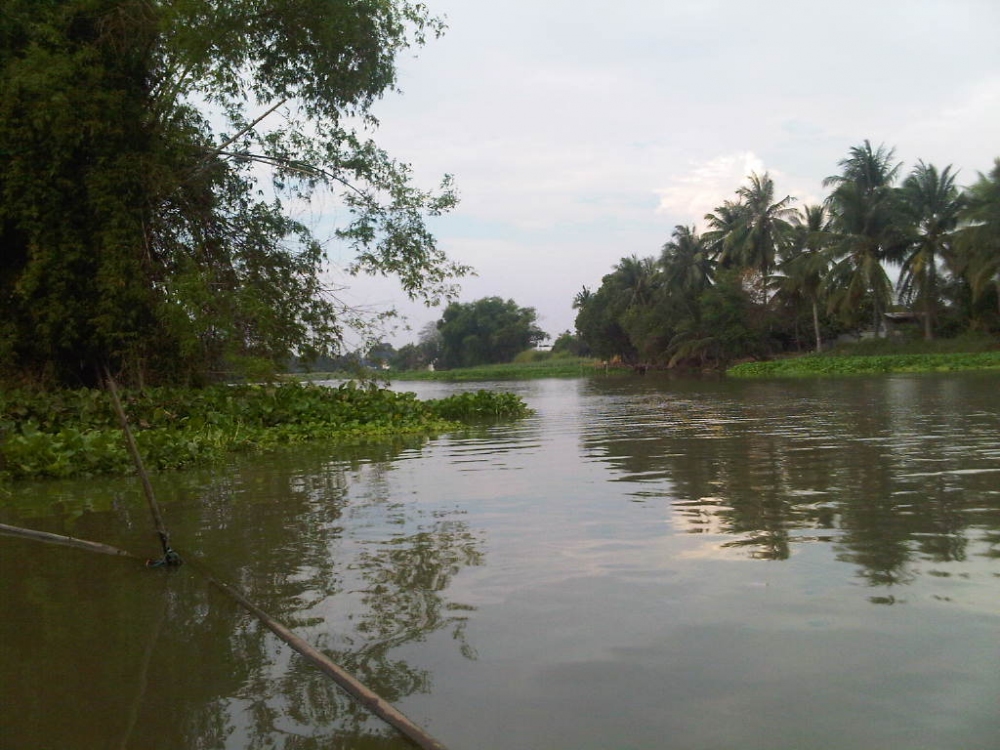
644	563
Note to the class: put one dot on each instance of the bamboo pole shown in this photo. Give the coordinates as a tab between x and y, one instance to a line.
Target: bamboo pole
354	687
368	698
169	556
371	700
66	541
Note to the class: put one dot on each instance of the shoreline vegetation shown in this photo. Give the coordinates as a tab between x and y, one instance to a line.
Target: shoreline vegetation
826	365
58	434
870	356
881	356
67	433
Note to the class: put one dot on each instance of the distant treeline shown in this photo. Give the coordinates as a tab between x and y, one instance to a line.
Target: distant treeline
768	276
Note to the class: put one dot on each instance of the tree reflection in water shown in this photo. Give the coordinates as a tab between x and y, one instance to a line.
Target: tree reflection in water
190	668
777	464
359	588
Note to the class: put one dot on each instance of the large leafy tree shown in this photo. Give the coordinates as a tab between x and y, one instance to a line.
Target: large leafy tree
487	331
148	151
599	319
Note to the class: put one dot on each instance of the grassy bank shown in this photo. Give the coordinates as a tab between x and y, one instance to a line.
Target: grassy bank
873	357
551	367
555	367
76	433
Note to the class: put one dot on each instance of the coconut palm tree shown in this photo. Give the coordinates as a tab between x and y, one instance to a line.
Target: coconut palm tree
867	231
766	224
637	278
688	268
979	238
932	203
805	262
723	226
749	232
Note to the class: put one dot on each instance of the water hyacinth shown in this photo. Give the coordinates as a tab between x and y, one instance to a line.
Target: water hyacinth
76	433
867	365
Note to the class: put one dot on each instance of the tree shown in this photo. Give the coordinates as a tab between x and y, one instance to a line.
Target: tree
805	263
424	353
568	343
487	331
865	219
137	236
748	234
688	268
765	226
381	354
614	320
979	237
723	328
932	203
723	232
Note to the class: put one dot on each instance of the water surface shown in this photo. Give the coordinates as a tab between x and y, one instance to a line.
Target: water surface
645	563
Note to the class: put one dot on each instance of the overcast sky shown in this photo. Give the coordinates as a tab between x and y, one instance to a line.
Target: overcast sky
580	132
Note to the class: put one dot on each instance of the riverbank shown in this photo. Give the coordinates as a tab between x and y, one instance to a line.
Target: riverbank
547	367
866	357
554	367
76	433
879	356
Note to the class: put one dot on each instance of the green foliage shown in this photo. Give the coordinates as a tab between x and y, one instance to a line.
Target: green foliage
487	331
600	317
818	364
421	355
64	433
137	236
725	328
478	406
978	245
549	367
764	274
570	344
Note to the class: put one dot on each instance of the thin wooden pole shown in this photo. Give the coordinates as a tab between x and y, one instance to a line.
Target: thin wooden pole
354	687
371	700
66	541
169	556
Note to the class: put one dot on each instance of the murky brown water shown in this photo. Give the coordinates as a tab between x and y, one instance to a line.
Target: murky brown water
646	563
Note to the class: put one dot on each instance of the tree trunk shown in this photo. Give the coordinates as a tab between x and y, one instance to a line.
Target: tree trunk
819	340
931	286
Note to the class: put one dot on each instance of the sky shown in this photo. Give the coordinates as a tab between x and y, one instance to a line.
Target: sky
580	132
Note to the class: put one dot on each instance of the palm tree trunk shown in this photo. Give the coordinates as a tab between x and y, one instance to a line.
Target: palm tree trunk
819	341
930	286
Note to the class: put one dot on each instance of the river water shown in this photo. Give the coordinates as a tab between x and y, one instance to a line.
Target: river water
644	563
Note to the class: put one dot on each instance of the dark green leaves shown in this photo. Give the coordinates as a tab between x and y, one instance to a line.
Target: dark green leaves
137	236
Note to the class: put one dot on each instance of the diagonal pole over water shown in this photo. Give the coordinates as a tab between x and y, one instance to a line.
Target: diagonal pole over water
169	556
374	702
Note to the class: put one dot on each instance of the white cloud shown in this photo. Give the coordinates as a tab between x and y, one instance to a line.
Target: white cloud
704	186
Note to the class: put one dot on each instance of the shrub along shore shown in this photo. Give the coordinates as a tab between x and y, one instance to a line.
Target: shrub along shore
76	433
